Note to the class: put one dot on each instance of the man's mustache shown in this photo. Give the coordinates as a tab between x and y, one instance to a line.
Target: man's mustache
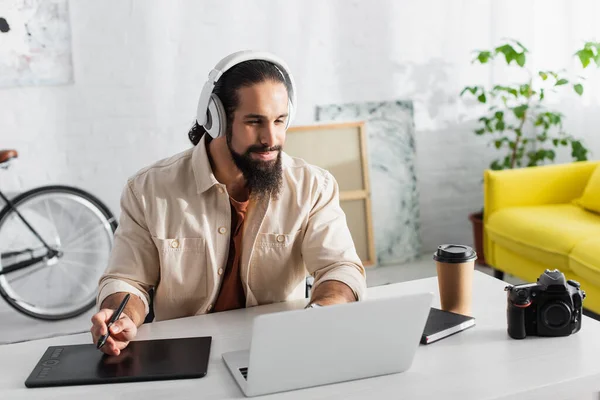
262	149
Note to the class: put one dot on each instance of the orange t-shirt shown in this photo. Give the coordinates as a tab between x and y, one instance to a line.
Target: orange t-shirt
231	295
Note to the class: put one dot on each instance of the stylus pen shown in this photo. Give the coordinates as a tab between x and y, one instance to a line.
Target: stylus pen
112	320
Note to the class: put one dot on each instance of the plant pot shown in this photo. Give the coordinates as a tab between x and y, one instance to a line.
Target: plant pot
477	221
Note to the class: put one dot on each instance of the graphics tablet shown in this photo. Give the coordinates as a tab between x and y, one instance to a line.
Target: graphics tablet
146	360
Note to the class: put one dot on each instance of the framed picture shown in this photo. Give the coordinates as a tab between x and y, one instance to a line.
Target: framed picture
35	43
340	148
390	129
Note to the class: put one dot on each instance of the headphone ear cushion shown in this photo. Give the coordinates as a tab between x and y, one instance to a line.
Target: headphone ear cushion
290	114
216	124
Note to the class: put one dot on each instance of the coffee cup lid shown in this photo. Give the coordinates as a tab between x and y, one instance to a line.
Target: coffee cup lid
454	253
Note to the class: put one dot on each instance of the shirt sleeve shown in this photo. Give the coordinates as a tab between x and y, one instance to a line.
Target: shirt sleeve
134	262
328	249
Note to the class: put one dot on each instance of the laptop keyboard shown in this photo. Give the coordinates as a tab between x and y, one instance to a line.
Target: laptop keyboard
244	372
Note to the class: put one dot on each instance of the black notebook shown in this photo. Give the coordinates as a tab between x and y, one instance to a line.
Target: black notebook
144	360
441	324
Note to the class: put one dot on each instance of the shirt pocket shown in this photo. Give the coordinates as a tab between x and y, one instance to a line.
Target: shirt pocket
277	266
182	267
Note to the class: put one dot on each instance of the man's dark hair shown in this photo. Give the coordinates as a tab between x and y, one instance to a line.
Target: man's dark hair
244	74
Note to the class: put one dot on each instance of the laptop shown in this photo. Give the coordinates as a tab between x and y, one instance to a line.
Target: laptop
317	346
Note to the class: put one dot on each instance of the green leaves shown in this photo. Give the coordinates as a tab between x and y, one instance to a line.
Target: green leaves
521	126
510	54
578	151
494	123
476	91
585	56
484	56
561	81
499	142
520	45
472	89
589	52
595	47
560	142
548	119
558	81
519	111
537	157
500	125
526	90
546	74
496	166
486	126
507	89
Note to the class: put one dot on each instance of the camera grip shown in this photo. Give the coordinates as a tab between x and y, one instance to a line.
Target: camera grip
516	321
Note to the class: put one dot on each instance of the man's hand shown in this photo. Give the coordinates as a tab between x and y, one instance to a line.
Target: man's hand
121	332
124	329
332	292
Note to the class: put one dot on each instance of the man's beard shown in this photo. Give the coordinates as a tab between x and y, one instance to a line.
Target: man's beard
263	178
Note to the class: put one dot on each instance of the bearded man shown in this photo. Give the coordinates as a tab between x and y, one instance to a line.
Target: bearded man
232	222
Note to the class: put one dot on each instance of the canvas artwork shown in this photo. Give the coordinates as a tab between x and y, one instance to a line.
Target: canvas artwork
35	43
391	153
349	166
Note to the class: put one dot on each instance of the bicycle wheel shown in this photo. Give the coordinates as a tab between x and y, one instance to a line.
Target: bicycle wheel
70	221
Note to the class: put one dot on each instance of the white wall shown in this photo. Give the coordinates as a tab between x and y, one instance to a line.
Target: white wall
139	67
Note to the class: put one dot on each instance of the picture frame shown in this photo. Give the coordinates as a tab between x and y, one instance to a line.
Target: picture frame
341	149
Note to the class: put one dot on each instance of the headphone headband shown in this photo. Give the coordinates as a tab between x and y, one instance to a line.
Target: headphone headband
228	62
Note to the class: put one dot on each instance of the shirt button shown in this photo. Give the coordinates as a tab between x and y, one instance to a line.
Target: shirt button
175	244
280	238
220	271
209	307
221	190
222	230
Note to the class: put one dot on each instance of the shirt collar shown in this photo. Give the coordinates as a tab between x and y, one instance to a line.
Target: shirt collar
203	173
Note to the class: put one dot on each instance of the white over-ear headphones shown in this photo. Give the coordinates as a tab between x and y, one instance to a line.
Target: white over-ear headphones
211	113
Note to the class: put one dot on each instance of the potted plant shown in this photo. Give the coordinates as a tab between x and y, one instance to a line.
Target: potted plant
518	120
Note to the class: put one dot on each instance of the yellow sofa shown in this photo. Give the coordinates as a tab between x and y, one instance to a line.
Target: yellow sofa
531	223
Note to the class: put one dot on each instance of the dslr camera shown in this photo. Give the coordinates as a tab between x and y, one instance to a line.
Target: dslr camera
550	307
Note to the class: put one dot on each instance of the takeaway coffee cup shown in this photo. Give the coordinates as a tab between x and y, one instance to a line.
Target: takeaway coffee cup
455	266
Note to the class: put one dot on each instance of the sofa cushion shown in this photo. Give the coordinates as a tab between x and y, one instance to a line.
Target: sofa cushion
546	234
585	260
590	200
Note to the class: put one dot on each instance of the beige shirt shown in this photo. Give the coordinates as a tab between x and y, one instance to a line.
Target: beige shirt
173	235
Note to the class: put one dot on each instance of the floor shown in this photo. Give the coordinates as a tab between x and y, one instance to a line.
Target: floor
15	327
423	267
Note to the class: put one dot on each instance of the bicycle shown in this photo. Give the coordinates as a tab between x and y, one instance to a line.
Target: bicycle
54	246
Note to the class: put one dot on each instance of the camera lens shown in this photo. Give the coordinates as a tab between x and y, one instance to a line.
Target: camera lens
556	315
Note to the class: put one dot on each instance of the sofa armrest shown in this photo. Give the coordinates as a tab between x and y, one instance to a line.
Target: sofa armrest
550	184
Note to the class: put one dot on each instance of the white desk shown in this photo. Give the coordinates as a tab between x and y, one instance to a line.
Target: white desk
480	363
